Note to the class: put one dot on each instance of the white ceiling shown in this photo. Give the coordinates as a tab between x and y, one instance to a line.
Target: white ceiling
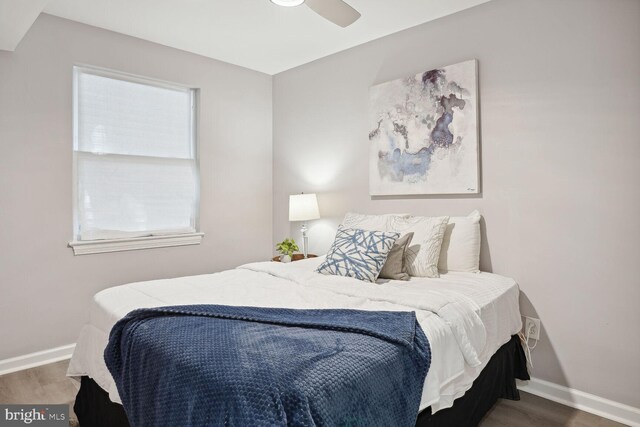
252	33
16	17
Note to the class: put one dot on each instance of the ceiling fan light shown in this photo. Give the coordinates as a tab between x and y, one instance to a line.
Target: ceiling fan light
287	3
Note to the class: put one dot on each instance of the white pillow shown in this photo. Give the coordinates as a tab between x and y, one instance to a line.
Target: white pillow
368	222
421	257
461	244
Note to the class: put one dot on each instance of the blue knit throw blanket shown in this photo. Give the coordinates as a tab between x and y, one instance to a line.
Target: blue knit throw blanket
212	365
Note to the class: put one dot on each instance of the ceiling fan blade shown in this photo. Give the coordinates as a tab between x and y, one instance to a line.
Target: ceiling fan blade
336	11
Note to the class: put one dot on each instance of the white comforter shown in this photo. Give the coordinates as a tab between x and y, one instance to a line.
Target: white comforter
465	316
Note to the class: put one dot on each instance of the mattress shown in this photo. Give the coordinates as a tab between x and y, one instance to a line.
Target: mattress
467	317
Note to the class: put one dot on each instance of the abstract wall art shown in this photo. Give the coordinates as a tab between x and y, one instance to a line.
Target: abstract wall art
423	133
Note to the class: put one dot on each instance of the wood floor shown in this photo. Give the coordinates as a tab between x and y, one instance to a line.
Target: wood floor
48	385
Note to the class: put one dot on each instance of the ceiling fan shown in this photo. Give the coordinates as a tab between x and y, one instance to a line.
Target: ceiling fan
336	11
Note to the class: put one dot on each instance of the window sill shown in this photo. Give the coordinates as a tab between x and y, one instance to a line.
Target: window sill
135	243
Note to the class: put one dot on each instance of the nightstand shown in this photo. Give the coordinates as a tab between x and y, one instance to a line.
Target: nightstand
294	257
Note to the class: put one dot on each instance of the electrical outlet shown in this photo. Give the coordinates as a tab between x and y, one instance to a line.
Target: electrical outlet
532	325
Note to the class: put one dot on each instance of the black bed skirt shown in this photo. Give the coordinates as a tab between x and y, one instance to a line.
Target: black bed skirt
497	380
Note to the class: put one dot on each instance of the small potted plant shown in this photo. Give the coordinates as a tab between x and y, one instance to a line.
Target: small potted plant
287	247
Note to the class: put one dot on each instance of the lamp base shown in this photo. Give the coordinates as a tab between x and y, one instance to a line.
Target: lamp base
305	240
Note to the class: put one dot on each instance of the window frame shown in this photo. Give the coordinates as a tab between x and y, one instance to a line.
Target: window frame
83	247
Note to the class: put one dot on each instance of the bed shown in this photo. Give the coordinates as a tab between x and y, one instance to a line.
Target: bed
470	319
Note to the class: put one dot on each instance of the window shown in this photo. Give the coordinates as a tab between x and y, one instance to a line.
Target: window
136	170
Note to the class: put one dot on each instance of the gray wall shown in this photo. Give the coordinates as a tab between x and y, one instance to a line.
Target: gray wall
560	108
45	291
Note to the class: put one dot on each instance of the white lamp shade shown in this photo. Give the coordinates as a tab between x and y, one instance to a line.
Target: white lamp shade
303	207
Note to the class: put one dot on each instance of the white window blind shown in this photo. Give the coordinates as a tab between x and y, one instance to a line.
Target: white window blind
136	169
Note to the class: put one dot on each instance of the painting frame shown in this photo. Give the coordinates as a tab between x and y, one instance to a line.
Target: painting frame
424	133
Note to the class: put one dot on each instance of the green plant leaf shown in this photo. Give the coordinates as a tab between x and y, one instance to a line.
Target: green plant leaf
287	247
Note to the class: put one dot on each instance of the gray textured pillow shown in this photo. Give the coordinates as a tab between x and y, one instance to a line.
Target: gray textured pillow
394	267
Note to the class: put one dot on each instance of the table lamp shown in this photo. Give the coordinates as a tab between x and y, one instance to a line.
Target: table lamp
303	207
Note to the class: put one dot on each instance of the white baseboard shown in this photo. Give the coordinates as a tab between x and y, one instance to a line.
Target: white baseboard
605	408
38	358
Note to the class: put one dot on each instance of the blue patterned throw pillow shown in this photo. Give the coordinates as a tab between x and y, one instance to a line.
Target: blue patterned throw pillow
358	253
